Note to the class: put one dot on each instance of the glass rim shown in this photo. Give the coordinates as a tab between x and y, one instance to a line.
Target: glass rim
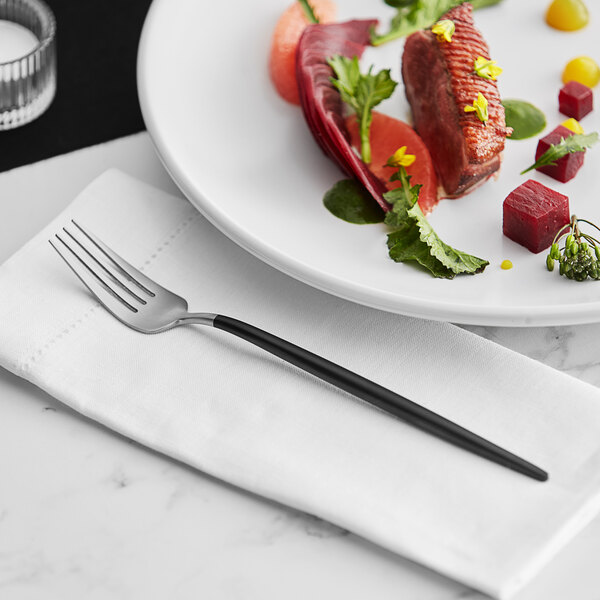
44	13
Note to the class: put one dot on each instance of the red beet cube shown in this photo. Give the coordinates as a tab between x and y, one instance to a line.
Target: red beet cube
533	214
566	167
575	100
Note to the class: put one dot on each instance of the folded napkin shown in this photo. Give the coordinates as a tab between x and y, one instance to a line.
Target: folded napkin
234	411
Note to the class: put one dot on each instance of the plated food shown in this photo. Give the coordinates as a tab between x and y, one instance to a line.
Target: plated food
450	81
247	161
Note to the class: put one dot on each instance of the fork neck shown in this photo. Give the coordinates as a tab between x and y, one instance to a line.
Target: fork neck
198	319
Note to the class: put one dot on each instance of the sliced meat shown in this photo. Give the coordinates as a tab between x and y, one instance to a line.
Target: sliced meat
321	102
440	81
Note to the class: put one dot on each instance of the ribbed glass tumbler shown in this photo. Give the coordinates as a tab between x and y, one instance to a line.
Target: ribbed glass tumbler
28	83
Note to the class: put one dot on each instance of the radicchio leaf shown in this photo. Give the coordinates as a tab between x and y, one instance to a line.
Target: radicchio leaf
321	102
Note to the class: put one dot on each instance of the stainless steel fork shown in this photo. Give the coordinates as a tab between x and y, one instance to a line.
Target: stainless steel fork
144	305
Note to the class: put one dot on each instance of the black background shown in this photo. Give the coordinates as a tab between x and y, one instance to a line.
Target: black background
96	98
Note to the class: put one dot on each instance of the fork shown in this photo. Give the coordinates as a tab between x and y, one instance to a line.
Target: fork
142	304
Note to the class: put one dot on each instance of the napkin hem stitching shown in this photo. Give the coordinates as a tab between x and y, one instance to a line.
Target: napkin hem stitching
25	365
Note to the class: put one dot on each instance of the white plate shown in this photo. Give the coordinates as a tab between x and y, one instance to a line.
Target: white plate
247	161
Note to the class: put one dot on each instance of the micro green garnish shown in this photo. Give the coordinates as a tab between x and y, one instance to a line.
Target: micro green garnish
413	238
412	15
362	91
524	118
572	143
308	11
576	258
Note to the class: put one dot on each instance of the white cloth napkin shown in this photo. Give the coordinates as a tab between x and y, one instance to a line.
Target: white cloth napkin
234	411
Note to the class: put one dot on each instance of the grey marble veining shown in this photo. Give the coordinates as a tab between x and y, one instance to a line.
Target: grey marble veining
574	350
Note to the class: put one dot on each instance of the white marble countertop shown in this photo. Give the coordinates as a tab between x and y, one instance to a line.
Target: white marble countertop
85	513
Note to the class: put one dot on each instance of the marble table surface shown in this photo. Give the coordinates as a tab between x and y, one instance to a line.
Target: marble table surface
87	514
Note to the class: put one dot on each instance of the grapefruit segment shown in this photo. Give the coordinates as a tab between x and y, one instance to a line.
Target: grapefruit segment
282	57
387	135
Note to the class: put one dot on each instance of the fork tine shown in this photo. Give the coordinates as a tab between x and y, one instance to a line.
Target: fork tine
110	299
122	266
105	270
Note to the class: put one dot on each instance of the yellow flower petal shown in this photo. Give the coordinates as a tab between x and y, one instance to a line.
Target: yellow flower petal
401	159
444	29
573	125
480	106
488	69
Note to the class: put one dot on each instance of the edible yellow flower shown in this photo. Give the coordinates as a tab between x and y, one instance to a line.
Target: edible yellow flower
400	158
573	125
480	106
444	29
488	69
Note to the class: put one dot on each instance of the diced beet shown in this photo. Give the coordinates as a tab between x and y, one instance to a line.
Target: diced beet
533	214
566	167
575	100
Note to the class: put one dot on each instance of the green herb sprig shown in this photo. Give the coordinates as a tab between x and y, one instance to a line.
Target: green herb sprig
413	238
412	15
572	143
362	91
576	258
308	11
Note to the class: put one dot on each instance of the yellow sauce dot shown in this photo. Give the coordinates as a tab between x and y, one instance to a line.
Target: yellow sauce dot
567	15
506	265
573	125
583	69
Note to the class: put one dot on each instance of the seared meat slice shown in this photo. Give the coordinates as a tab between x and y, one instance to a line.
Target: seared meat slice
440	81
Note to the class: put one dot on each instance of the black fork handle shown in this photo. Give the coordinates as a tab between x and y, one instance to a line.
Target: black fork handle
378	396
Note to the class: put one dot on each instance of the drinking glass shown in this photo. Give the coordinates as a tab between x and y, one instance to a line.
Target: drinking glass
28	82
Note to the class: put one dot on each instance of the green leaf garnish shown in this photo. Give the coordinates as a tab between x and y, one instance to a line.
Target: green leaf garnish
362	92
450	258
308	11
399	3
413	238
413	15
349	201
525	119
402	198
572	143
